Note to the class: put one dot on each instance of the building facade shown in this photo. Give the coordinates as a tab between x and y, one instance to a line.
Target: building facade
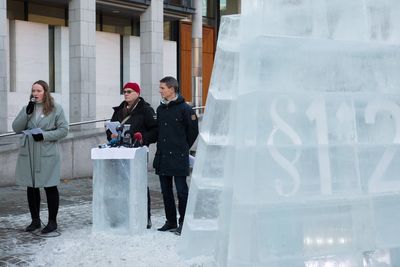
87	49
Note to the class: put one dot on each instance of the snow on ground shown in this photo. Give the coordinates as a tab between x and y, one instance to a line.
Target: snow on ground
78	246
82	248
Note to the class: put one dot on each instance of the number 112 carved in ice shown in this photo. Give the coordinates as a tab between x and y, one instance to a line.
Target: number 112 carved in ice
316	113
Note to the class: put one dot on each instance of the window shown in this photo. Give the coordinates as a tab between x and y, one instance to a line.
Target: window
115	24
15	10
209	8
226	7
52	72
47	14
229	7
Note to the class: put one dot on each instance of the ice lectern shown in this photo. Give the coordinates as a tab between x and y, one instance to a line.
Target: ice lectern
119	189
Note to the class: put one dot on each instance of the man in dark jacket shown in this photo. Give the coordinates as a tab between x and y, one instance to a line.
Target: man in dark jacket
177	131
142	121
142	117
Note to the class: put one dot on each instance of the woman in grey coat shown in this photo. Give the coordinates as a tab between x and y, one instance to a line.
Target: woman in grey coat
43	124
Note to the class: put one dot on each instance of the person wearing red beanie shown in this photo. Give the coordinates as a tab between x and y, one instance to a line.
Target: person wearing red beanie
134	86
142	121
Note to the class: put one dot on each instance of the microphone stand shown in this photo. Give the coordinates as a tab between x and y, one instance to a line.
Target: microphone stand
119	137
121	141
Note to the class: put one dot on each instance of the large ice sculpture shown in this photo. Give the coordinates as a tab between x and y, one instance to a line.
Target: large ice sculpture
120	190
297	162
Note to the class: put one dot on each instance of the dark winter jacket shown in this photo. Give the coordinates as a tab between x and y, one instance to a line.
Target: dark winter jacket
143	120
177	131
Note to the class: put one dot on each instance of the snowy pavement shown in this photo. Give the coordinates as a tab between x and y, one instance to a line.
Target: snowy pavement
75	244
78	246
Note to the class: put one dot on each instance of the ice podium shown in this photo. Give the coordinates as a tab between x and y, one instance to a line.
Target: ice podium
119	190
298	159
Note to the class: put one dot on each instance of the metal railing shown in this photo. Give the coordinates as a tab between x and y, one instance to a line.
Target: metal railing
196	108
80	123
71	124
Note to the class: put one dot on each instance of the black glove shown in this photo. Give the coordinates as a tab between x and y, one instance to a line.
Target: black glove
30	107
37	137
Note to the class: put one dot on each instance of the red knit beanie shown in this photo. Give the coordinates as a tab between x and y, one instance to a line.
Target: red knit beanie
134	86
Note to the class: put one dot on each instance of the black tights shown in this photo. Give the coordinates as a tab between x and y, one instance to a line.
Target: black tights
53	201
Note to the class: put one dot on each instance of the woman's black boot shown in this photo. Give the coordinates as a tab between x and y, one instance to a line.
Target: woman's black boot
50	227
35	224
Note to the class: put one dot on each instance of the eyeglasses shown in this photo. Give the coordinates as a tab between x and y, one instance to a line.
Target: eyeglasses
128	92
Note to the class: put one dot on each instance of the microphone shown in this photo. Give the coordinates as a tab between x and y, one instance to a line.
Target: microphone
31	106
138	137
120	128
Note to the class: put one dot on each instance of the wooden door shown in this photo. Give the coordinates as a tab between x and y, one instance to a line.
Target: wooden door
185	59
208	58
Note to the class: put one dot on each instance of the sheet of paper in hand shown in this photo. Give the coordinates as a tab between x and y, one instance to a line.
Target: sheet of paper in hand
113	125
33	131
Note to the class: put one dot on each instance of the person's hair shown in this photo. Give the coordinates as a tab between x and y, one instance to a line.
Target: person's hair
171	82
48	101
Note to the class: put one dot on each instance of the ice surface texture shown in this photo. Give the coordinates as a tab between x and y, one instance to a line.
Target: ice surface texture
297	162
119	190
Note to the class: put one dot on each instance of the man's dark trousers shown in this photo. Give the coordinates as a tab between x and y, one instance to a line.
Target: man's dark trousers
168	197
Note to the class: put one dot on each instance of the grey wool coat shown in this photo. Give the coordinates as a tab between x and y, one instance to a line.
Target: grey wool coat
44	155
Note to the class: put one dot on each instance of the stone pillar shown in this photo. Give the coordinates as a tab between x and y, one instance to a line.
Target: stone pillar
82	61
61	47
3	66
151	51
197	73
